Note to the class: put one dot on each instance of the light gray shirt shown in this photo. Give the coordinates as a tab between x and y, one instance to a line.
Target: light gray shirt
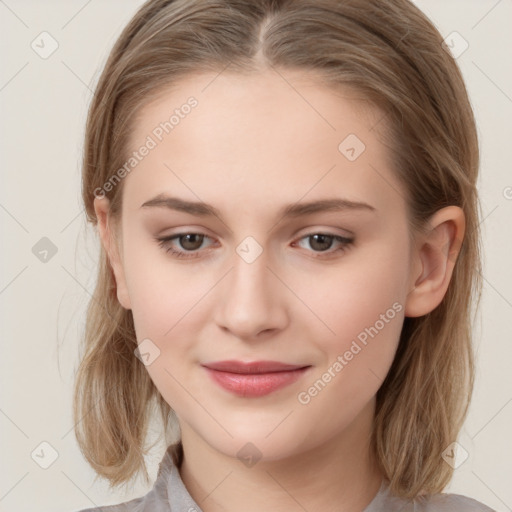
169	494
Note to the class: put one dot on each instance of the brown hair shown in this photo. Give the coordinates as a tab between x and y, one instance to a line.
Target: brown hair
392	55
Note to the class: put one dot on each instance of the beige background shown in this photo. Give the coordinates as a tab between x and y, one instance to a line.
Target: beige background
43	106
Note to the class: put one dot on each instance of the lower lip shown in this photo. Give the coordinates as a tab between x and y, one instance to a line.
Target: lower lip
254	385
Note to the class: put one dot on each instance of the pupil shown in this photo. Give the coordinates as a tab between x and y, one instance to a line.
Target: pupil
322	239
190	238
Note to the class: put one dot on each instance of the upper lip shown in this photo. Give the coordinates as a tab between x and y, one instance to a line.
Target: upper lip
251	367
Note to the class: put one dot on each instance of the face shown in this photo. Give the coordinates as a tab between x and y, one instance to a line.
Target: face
323	290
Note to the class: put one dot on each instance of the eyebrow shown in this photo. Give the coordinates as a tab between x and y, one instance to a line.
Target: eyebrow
292	210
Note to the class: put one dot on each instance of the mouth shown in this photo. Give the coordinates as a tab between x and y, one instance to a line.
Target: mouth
254	379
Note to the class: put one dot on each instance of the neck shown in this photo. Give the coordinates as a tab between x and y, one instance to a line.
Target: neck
338	475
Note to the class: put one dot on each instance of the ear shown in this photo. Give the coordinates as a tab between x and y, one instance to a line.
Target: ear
109	242
434	256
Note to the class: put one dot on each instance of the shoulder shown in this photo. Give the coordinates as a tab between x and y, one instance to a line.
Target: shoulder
136	505
151	502
441	502
157	499
451	503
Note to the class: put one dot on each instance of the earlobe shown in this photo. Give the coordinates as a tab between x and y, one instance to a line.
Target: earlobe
434	255
108	241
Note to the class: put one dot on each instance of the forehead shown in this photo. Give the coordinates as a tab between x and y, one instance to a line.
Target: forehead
273	136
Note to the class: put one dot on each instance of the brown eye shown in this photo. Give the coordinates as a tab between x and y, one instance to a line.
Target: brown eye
322	242
191	241
188	244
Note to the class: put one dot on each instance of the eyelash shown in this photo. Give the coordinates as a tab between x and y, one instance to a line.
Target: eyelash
163	242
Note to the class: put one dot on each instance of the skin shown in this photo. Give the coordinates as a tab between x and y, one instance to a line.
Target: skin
252	145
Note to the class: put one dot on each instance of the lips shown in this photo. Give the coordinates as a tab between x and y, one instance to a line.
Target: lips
253	379
254	367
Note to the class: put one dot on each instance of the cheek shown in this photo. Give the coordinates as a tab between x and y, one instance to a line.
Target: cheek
170	304
356	359
361	307
165	304
162	293
367	288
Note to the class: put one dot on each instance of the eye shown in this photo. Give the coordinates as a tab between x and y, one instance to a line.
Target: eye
322	242
191	242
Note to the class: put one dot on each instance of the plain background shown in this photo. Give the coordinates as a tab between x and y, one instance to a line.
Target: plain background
43	107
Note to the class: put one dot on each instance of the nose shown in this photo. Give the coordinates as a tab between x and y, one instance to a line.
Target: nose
252	300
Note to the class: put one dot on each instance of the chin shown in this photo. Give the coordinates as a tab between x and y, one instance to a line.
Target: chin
253	444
